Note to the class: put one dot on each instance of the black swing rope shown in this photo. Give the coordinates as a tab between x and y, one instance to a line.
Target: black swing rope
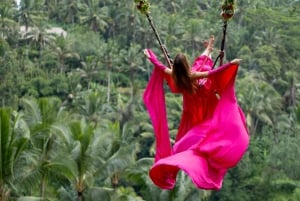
227	12
163	47
221	54
144	7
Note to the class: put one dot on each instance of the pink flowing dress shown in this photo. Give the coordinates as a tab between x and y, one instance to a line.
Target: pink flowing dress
212	136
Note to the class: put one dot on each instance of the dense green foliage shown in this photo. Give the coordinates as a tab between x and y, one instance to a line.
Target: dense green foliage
72	122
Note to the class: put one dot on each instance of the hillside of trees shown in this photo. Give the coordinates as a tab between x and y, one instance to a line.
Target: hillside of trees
72	122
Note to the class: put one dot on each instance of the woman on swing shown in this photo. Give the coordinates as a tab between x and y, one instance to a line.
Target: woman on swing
187	80
212	136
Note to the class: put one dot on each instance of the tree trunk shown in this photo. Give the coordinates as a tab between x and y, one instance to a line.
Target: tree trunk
43	187
79	196
4	193
108	85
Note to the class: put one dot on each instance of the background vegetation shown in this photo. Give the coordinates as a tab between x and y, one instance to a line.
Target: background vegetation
72	122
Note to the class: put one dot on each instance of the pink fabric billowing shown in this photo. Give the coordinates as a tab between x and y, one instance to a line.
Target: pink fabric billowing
157	112
212	136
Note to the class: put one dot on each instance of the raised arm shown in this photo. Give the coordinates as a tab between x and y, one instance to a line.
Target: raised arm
204	74
199	75
151	56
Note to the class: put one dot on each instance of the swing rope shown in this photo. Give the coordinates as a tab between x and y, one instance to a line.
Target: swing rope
221	53
144	7
227	13
163	47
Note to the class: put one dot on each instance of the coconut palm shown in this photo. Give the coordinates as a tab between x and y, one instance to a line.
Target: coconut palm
14	138
192	37
123	18
176	31
39	38
91	103
7	25
83	156
59	54
45	119
131	65
94	159
30	13
260	101
70	11
52	7
97	18
109	58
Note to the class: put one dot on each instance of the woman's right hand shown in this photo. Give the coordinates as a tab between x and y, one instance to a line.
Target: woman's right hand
152	58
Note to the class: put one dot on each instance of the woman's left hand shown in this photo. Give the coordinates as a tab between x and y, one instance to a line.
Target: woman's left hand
146	52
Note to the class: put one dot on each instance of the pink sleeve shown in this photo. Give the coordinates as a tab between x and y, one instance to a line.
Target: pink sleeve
154	100
155	61
158	64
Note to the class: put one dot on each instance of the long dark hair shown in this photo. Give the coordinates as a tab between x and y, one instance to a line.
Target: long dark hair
181	74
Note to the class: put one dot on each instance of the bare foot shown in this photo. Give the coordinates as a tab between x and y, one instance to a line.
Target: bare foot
236	61
211	42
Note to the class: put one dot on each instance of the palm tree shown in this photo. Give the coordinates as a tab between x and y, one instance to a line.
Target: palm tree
91	103
59	54
39	39
192	36
175	31
260	101
83	151
7	24
118	151
123	18
70	11
142	32
45	119
94	158
97	18
132	65
25	17
109	58
268	63
30	13
14	138
52	7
